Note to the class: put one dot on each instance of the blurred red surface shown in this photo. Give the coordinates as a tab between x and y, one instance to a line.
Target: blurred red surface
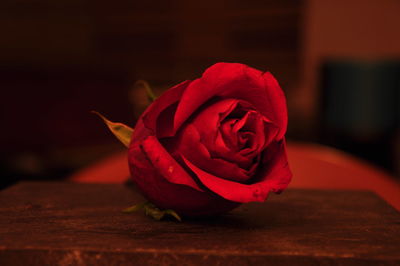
313	166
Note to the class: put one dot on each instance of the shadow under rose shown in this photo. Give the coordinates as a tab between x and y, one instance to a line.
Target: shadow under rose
255	216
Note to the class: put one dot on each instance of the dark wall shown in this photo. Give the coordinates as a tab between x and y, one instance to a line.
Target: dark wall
61	59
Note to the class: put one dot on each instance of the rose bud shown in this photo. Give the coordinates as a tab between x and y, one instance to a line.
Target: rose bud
206	146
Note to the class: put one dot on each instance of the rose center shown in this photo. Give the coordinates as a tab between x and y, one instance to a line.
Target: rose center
241	133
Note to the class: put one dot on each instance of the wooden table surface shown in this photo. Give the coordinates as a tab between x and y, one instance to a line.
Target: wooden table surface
56	223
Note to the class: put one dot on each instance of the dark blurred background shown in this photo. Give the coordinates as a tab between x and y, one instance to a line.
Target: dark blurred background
338	62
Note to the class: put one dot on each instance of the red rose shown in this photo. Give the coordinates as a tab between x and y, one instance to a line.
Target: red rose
207	145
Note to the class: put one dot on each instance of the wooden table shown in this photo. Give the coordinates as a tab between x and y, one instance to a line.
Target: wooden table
46	223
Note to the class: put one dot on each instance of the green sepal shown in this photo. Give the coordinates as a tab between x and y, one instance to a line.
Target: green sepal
121	131
135	207
150	94
152	211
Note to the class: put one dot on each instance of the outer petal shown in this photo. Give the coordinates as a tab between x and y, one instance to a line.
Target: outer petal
230	190
147	123
165	164
275	178
277	103
183	199
170	97
276	167
232	80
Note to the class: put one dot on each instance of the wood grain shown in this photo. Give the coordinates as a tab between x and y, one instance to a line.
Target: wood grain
55	223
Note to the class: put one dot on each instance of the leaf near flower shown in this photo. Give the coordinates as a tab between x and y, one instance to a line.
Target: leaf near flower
152	211
150	94
121	131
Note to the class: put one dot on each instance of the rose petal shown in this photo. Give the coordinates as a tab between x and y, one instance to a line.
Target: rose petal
147	123
275	178
166	195
189	145
229	190
208	120
165	122
170	97
231	80
270	132
251	128
220	134
276	168
277	104
229	137
165	164
229	154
